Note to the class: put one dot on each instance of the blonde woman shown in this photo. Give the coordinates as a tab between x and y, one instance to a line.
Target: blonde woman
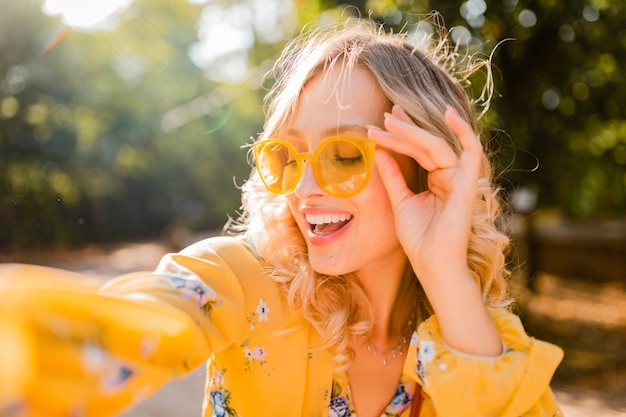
366	277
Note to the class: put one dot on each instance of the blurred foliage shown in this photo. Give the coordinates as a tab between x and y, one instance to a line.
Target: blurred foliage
115	134
139	130
558	119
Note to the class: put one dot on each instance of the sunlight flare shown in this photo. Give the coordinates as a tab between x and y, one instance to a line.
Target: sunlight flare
85	14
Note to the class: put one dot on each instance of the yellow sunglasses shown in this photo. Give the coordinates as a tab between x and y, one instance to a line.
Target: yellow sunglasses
341	165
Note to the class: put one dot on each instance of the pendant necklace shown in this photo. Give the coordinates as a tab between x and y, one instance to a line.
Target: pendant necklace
395	351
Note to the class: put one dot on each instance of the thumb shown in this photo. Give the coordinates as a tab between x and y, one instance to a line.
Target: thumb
392	177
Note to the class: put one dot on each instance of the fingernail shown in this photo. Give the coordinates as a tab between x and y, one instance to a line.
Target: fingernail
451	110
372	130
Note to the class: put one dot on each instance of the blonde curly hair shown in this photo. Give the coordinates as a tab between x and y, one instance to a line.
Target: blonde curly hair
423	81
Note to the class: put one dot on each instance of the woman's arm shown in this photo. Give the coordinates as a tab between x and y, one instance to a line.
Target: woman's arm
85	350
434	226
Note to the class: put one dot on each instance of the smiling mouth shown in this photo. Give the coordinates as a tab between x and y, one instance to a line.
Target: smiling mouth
322	224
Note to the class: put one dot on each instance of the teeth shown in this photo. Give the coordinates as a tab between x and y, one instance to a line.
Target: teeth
326	218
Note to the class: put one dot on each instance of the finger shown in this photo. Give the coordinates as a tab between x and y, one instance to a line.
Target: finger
472	151
463	130
406	138
429	150
392	177
439	182
399	112
434	140
463	186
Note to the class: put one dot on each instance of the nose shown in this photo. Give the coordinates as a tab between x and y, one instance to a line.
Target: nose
308	186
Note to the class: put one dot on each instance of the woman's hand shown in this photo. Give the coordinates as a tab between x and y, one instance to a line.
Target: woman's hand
434	225
68	350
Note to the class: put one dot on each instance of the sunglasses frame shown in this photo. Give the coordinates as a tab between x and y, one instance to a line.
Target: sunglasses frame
365	145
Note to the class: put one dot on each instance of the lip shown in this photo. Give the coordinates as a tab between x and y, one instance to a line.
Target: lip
327	238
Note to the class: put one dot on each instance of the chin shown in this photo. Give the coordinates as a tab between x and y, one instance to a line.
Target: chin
327	265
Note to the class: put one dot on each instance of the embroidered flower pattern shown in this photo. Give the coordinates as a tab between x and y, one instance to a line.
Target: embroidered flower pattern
217	379
262	310
400	402
426	352
339	405
220	397
196	291
220	400
254	356
259	315
189	285
114	374
419	367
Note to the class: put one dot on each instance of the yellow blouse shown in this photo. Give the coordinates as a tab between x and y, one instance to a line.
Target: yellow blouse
216	301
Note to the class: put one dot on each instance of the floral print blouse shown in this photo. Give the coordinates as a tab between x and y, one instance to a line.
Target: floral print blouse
215	302
342	405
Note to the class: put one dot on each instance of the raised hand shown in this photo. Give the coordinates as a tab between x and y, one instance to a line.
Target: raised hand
434	225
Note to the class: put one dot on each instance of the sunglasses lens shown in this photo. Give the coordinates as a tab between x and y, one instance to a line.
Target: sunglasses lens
278	167
344	169
340	166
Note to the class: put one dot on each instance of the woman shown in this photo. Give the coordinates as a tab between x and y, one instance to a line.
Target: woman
367	276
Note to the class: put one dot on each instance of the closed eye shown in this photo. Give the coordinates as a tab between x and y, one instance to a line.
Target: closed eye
348	160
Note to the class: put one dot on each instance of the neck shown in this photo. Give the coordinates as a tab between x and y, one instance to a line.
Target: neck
381	285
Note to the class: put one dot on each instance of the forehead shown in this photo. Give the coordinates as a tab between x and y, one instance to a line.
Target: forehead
338	98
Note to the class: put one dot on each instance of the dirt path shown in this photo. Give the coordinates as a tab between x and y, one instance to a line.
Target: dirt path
556	313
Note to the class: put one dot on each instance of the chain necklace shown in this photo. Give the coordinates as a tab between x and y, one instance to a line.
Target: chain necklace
395	351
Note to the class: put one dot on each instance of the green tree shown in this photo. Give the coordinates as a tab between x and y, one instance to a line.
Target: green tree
115	134
559	115
131	131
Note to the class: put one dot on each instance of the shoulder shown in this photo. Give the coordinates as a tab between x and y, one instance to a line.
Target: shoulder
227	246
263	296
236	257
234	252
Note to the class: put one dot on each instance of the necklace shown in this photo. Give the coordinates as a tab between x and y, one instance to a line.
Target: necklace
395	351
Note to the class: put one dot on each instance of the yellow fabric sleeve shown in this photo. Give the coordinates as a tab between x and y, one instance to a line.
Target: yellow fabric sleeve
514	384
74	348
76	352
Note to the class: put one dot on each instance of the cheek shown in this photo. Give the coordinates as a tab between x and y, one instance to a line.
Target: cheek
376	218
293	203
374	199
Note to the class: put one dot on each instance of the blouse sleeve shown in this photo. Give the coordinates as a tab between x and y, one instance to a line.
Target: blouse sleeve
79	349
204	281
514	384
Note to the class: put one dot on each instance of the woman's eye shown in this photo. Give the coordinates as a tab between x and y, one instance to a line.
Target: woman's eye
348	160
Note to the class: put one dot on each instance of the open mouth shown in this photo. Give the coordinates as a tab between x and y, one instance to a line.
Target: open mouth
322	224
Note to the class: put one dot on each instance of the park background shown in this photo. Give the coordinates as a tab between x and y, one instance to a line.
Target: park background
124	120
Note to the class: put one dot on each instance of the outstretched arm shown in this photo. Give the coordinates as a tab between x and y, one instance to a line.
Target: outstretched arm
76	352
76	348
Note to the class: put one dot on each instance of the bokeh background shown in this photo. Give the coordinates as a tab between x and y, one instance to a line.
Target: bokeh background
124	121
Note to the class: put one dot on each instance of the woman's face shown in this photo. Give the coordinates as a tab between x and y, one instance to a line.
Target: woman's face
354	234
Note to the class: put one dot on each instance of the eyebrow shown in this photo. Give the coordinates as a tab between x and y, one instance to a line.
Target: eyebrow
332	131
